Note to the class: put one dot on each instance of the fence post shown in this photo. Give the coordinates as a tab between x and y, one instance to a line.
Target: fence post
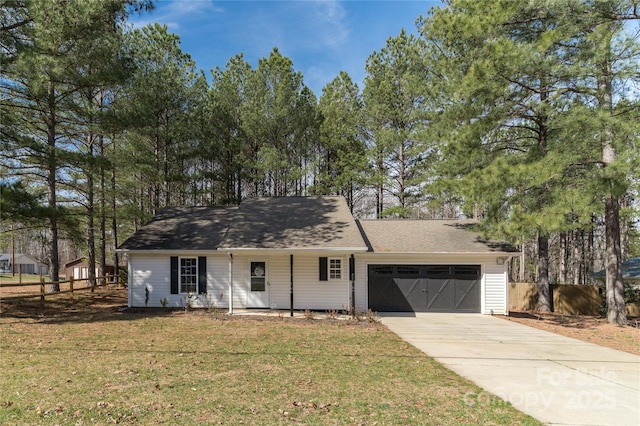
42	291
71	286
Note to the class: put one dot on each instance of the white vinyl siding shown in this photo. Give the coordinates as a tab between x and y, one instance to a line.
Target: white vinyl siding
311	293
153	272
217	281
495	289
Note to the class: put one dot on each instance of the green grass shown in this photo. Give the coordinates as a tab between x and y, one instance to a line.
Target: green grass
7	278
96	365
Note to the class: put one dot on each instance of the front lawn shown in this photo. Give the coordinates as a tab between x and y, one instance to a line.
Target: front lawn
99	365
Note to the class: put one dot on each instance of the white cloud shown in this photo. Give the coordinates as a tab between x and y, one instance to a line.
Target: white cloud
332	16
174	13
188	7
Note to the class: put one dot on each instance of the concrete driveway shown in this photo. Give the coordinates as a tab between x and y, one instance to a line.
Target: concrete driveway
556	379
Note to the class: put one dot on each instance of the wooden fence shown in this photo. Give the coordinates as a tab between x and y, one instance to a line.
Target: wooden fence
566	299
66	286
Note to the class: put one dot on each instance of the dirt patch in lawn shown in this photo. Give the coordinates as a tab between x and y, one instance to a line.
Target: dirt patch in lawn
586	328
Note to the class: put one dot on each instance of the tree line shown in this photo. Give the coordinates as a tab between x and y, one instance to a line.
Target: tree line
522	114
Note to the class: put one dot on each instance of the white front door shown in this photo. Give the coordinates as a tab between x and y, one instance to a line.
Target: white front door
258	295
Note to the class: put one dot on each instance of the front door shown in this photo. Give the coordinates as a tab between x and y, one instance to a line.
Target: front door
258	295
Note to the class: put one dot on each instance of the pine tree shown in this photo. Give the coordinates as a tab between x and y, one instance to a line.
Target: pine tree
280	120
157	107
342	151
394	101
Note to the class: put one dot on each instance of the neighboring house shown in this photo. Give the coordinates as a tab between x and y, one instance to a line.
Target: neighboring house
630	272
23	264
79	269
310	253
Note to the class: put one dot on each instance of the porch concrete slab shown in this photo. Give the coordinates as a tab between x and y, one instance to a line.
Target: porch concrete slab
555	379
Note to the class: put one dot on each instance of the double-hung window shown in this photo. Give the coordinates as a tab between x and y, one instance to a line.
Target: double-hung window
188	275
335	269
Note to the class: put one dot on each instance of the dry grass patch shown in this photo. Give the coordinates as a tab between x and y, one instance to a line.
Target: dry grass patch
101	365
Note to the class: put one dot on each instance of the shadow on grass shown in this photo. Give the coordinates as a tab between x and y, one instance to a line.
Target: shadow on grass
110	304
103	305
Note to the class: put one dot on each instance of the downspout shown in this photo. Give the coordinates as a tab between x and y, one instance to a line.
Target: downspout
352	277
291	284
230	283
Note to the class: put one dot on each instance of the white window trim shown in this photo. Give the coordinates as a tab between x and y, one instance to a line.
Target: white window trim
180	275
329	268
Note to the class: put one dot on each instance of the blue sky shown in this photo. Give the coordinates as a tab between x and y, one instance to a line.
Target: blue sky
320	37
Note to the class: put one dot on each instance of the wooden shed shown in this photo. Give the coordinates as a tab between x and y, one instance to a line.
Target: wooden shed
79	269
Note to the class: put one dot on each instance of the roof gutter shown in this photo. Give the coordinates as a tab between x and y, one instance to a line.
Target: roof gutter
165	251
457	253
292	249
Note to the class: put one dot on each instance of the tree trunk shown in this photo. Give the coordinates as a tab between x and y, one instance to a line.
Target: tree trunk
380	188
577	256
52	165
616	313
616	310
103	214
564	255
624	231
401	176
90	236
114	218
544	297
590	256
523	268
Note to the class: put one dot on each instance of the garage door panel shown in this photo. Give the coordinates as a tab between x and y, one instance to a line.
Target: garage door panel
441	295
424	288
385	295
467	295
413	291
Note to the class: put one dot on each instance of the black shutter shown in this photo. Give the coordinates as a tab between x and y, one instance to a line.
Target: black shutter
174	275
202	275
324	276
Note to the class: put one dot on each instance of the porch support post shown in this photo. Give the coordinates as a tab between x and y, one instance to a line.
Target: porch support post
291	284
352	277
230	283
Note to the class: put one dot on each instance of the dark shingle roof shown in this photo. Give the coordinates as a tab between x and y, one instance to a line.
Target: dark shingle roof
303	223
183	228
293	223
630	270
427	236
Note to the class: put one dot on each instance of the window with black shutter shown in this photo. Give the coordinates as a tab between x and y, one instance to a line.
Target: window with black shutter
330	268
